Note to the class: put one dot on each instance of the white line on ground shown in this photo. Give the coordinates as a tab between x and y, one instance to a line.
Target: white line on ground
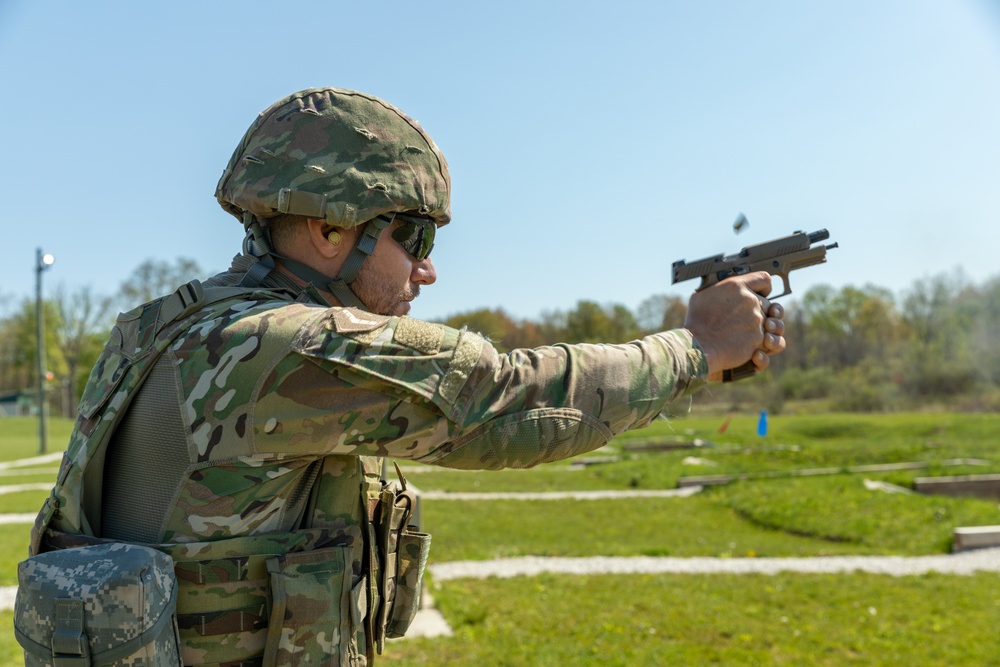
17	488
30	471
559	495
965	563
17	518
20	463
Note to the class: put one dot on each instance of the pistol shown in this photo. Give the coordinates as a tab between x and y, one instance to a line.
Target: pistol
778	257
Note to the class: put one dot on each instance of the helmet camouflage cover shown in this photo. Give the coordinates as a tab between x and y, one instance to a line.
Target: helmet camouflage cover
337	155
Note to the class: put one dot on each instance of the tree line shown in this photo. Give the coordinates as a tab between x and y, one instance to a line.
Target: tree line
77	323
850	349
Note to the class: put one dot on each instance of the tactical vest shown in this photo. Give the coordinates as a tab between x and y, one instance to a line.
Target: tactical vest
332	593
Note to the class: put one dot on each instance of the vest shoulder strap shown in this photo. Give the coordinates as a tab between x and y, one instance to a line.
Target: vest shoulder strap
136	342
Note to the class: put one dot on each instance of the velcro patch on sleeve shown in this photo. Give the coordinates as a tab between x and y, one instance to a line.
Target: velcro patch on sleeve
421	336
355	320
367	337
470	346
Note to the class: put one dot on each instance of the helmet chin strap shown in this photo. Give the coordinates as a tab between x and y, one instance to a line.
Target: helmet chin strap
362	250
257	243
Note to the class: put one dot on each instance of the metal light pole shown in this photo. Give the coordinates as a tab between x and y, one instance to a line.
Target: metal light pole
42	262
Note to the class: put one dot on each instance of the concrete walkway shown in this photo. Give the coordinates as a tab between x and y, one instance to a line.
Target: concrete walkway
430	623
965	563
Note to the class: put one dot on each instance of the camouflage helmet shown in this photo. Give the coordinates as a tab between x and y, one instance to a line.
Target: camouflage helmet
337	155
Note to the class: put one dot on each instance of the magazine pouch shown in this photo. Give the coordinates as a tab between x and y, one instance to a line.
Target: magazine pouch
315	609
411	559
402	551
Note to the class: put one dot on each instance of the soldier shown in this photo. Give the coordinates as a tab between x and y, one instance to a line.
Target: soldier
240	425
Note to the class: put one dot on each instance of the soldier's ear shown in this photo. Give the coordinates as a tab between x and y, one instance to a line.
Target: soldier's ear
326	239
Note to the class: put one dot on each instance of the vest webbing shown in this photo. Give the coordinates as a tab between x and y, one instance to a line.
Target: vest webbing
71	515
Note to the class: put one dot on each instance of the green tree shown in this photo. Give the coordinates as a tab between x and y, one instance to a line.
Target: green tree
494	324
941	313
154	278
661	312
500	328
841	329
553	326
18	346
528	334
983	332
14	371
84	319
589	322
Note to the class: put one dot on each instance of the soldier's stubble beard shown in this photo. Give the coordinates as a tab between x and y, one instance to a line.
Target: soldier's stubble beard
381	296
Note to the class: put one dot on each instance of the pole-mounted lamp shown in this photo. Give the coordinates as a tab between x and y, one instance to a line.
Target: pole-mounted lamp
42	262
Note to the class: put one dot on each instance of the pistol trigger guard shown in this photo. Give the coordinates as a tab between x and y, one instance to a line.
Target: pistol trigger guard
786	283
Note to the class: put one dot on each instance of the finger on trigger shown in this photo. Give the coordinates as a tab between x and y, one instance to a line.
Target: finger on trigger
759	282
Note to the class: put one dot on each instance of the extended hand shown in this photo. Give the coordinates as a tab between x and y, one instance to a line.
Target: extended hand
734	323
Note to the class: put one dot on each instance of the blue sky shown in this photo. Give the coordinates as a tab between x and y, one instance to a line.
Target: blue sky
590	144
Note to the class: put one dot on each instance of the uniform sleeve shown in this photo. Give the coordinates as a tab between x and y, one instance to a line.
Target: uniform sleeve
449	398
551	403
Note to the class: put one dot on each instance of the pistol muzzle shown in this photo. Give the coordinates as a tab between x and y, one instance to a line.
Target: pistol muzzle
820	235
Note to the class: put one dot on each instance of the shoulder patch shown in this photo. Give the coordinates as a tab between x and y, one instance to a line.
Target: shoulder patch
421	336
466	355
355	320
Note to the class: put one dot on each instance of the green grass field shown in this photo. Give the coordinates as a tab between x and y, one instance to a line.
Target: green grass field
786	619
694	620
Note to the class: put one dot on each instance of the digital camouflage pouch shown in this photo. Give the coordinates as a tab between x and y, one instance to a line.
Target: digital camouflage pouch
105	605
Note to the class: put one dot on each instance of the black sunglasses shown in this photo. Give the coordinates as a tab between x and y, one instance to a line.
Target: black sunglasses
415	235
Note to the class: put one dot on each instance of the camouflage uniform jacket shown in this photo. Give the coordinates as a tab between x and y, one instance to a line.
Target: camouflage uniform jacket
270	418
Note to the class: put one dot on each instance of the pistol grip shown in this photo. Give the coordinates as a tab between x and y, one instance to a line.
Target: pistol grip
733	374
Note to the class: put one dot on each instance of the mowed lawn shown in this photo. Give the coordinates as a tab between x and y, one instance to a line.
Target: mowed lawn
785	619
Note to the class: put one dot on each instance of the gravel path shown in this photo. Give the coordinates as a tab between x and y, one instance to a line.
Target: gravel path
966	563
